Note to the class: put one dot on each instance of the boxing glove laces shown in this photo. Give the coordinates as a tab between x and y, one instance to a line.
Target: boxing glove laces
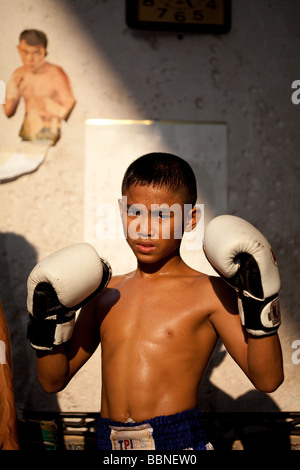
243	257
57	287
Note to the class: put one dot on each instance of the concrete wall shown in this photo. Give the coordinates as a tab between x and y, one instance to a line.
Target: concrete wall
243	79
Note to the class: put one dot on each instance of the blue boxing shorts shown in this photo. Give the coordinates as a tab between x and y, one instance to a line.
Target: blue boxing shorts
182	431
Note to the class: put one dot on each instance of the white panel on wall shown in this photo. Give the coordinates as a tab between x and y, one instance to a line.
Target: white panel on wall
111	145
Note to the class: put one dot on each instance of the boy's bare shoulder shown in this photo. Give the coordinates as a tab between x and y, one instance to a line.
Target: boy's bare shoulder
214	290
193	276
118	280
210	288
224	295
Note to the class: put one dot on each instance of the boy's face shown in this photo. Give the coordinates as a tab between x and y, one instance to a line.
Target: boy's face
32	56
153	221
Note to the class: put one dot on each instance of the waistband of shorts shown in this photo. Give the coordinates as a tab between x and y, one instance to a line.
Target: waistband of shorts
170	432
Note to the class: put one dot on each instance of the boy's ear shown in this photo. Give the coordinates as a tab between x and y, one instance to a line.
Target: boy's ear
192	219
120	204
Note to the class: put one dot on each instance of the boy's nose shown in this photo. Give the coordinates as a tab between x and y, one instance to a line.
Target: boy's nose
145	228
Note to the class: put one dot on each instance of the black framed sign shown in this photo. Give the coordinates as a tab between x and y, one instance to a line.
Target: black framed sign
198	16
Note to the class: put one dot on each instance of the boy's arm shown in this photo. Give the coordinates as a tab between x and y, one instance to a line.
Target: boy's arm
243	257
260	358
265	365
57	287
57	367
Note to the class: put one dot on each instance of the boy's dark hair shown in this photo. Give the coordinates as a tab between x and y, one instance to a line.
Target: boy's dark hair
162	169
34	37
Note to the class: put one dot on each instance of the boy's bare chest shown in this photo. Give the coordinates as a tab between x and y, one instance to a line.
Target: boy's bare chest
164	311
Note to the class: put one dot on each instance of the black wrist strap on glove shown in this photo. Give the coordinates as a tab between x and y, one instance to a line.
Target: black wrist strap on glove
51	323
260	316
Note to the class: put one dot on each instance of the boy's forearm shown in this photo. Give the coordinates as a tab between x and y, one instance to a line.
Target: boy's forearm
53	369
265	362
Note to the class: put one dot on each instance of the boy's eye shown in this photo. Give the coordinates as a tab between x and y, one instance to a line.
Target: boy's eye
133	213
162	215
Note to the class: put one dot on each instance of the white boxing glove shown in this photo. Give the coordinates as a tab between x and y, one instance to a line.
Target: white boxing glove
57	287
243	257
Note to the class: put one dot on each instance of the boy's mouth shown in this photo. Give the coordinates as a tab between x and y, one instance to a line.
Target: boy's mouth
145	246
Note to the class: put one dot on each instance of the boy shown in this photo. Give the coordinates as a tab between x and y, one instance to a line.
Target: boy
45	88
158	325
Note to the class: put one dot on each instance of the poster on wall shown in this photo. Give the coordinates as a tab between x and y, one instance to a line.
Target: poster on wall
48	98
111	145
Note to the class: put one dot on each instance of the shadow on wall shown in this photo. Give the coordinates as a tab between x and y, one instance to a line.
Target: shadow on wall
17	259
253	418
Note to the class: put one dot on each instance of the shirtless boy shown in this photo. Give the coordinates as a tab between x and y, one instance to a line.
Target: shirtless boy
158	325
45	88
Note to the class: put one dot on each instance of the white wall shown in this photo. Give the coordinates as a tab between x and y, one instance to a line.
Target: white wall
243	79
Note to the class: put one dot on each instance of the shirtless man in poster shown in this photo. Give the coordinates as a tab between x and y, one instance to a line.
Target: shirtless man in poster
45	88
158	325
